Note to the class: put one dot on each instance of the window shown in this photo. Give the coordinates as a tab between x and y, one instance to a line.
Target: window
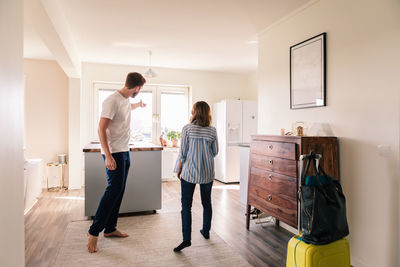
167	109
141	118
174	110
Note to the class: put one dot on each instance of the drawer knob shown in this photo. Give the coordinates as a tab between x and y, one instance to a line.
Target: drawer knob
269	197
271	161
270	176
270	147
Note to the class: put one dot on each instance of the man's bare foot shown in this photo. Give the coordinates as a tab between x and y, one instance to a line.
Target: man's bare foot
92	243
116	233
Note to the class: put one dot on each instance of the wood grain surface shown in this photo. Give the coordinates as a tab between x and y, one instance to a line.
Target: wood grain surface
263	245
274	171
95	147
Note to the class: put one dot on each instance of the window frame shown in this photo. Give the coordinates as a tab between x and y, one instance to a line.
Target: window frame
155	89
170	89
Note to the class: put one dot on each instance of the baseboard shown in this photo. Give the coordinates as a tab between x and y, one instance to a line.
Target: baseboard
355	262
289	228
29	208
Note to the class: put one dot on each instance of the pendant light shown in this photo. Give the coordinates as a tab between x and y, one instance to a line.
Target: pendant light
150	73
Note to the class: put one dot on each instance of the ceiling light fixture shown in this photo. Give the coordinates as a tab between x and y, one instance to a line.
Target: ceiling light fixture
150	73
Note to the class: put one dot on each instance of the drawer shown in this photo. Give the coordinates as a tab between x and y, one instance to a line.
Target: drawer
274	149
283	209
278	165
278	184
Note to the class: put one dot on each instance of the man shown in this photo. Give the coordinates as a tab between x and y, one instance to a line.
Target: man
114	135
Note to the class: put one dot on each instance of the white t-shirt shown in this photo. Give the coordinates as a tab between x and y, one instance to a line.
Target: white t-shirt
117	108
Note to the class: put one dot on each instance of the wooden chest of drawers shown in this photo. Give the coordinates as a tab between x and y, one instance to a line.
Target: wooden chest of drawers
274	171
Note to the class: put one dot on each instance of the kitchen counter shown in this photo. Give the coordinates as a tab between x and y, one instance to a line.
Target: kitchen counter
95	147
143	186
244	171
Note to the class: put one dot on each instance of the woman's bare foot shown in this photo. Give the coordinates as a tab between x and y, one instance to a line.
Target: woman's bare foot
116	233
92	243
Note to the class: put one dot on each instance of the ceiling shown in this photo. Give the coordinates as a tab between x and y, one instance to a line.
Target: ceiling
215	35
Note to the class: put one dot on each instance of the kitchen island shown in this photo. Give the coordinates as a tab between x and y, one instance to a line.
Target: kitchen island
143	186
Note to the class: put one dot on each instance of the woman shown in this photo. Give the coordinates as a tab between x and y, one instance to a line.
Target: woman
195	165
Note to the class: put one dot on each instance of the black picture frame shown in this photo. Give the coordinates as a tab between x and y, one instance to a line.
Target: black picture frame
308	73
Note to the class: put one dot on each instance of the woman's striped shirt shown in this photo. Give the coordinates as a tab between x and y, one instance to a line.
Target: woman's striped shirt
199	146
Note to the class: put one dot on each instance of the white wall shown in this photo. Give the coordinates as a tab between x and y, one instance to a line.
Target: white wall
46	104
74	148
11	132
363	91
208	86
252	93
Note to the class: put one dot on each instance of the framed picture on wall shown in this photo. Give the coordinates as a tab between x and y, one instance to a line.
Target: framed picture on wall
308	73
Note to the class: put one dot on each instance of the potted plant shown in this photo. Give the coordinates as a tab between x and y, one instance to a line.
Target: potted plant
174	136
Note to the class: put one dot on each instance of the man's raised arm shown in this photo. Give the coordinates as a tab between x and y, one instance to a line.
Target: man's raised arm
137	105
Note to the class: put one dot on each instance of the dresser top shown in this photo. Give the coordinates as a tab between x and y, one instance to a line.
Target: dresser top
290	138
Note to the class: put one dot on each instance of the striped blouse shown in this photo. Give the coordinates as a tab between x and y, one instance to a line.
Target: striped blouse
199	146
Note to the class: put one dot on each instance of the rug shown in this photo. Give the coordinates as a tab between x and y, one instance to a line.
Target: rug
151	242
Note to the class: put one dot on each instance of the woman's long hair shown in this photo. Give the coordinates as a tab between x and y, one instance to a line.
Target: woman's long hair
201	113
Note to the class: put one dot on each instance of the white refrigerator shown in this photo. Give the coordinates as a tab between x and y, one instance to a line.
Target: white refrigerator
235	121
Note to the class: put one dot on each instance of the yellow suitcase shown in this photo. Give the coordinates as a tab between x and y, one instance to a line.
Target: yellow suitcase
335	254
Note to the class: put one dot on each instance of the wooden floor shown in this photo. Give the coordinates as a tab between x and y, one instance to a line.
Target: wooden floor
262	245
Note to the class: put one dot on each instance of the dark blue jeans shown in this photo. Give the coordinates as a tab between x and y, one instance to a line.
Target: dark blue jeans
107	212
187	190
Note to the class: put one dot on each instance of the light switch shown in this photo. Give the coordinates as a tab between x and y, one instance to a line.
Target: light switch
384	151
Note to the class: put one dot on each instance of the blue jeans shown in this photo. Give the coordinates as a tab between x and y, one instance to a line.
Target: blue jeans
187	190
107	212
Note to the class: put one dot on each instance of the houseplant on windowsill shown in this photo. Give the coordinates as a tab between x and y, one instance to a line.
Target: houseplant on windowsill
174	136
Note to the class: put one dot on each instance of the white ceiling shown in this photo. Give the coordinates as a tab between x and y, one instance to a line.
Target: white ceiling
216	35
